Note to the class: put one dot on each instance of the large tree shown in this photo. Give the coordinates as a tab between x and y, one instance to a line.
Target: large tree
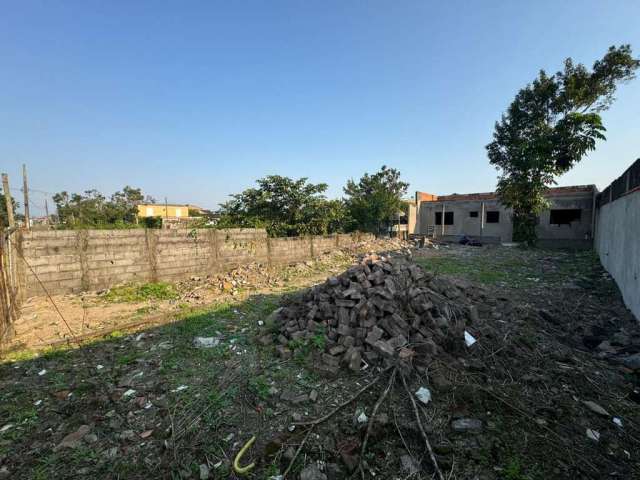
92	209
375	200
548	128
285	207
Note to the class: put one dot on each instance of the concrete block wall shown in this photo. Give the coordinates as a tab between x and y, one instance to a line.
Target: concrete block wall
617	241
71	261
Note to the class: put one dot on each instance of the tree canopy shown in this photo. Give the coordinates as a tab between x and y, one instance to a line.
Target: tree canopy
4	219
285	207
549	127
375	200
92	209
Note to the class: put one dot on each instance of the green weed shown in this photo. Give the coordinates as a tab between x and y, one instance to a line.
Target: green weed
141	292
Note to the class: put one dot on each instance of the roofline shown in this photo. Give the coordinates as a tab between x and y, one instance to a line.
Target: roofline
552	192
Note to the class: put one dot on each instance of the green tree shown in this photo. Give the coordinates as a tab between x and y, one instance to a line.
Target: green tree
92	209
285	207
548	128
4	219
375	200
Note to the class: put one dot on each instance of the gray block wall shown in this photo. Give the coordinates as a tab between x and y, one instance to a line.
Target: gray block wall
71	261
617	242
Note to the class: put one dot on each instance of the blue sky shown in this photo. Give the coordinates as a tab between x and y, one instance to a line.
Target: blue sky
195	100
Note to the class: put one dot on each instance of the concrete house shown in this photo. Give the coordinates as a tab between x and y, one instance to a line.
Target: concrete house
169	210
568	222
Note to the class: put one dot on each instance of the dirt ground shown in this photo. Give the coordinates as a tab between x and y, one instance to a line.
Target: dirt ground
93	313
542	394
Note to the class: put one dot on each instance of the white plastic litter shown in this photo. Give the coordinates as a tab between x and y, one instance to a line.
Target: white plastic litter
469	339
617	421
42	372
206	342
424	395
99	367
6	427
180	388
128	393
362	418
593	435
37	403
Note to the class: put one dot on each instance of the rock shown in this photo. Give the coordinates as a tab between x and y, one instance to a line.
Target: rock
408	465
594	407
333	471
466	425
424	395
91	438
127	435
631	361
593	435
73	439
313	395
206	342
293	397
204	472
312	472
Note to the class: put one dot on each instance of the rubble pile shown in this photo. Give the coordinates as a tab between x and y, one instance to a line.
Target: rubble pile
261	275
376	311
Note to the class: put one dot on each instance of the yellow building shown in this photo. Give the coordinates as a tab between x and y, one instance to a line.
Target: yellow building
166	211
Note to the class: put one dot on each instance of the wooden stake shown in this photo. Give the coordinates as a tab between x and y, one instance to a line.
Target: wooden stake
7	200
25	190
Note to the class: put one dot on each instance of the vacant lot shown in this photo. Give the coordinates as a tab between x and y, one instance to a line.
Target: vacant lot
162	403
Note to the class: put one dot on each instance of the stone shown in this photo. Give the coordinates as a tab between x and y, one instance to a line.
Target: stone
293	397
330	359
374	335
408	465
313	395
283	352
466	425
631	361
72	440
595	408
355	360
384	348
206	342
337	350
204	472
311	472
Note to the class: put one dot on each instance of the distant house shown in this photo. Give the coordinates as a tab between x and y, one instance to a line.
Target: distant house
569	220
171	211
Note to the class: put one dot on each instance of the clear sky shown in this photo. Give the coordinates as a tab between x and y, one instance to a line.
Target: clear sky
195	100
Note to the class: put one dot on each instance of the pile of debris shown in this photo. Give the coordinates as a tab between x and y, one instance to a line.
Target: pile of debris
378	310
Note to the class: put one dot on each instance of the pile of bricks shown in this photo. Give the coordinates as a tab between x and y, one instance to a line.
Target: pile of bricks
378	310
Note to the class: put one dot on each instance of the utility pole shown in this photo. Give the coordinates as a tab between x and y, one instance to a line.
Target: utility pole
7	200
46	210
166	211
25	190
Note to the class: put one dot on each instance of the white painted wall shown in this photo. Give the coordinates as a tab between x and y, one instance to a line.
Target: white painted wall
617	242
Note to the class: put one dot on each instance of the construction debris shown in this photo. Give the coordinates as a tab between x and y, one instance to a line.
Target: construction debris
379	310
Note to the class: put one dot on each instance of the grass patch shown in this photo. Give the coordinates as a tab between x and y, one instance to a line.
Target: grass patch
141	292
475	269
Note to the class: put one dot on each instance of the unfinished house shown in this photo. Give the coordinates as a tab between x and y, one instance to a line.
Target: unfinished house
568	222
